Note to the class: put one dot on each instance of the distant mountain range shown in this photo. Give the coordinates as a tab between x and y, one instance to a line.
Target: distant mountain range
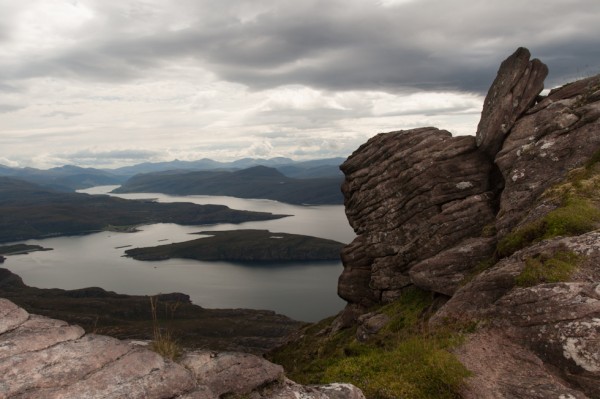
64	178
71	178
255	182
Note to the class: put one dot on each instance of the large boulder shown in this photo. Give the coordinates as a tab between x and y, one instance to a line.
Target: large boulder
518	82
430	209
408	196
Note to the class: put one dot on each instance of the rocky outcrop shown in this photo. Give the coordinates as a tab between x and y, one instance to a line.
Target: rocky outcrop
557	135
437	211
518	83
409	195
47	358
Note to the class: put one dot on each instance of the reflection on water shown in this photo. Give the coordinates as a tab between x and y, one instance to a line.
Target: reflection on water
303	290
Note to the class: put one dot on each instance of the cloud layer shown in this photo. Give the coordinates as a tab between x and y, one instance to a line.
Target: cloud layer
224	79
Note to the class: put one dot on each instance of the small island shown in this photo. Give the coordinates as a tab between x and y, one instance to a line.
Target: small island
244	246
19	249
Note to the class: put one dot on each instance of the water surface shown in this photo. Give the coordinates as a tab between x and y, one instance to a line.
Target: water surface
301	290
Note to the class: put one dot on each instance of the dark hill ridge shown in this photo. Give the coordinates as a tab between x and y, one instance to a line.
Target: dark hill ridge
64	178
129	316
30	211
259	182
328	167
245	246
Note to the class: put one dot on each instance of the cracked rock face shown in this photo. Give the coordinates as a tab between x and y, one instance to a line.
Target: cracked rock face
557	323
559	134
429	209
518	82
408	196
44	358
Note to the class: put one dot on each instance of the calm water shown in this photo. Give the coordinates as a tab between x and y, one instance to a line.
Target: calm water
303	291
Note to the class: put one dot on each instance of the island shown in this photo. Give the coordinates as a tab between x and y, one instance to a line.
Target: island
20	249
244	246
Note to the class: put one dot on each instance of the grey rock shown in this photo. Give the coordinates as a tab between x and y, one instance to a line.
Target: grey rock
370	324
446	271
42	358
558	323
558	135
518	82
11	316
408	196
502	369
340	391
231	373
37	333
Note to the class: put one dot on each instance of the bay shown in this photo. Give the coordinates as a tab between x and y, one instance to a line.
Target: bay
301	290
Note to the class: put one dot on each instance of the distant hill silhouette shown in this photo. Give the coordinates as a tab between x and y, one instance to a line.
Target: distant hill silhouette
256	182
71	178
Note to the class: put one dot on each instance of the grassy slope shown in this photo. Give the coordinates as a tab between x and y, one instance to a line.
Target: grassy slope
404	360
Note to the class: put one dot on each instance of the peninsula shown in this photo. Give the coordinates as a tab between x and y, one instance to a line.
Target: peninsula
31	211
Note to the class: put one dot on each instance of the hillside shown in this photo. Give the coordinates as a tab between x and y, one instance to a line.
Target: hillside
30	211
475	270
64	178
244	246
256	182
316	168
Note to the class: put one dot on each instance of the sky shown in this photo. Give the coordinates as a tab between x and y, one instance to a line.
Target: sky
106	83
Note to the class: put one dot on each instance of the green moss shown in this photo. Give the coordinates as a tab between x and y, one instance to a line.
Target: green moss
416	367
402	360
544	269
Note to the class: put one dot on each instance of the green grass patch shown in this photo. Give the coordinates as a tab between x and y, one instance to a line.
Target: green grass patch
416	367
548	269
403	360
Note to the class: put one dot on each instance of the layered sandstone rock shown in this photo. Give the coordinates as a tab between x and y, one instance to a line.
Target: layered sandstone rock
559	134
429	210
47	358
409	195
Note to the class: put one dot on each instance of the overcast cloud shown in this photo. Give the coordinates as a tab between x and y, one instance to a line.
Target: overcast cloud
107	83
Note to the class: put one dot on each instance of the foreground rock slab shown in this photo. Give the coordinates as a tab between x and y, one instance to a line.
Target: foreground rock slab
43	358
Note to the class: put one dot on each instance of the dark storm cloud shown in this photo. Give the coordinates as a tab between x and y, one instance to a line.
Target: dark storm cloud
336	45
